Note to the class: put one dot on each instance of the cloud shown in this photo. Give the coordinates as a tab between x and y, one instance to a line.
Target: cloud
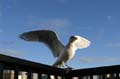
55	24
7	42
109	17
112	45
11	52
0	11
85	28
0	14
62	1
1	30
100	33
9	4
0	18
97	60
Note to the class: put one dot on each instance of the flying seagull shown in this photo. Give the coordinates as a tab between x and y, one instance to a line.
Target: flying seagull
50	38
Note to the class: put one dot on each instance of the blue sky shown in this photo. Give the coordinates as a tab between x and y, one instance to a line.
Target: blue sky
97	20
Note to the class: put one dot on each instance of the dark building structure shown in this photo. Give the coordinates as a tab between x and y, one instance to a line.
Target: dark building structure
15	68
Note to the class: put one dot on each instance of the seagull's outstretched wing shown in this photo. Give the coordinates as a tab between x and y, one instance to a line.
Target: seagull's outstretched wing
80	42
46	36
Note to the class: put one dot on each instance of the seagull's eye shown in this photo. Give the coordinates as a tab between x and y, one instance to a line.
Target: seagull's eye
73	37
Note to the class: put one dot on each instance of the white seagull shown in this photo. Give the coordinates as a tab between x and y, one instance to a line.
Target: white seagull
50	38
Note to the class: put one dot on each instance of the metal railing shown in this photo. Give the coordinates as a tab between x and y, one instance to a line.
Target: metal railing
106	72
15	68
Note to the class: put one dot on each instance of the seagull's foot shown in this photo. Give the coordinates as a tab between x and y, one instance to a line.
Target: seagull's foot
68	68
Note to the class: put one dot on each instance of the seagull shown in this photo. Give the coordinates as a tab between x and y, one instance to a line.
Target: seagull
62	52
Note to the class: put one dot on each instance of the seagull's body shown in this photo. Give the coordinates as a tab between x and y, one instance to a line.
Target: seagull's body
63	53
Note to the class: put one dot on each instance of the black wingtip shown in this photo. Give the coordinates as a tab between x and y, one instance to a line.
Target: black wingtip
23	36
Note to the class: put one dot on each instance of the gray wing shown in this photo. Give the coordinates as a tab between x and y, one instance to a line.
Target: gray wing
46	36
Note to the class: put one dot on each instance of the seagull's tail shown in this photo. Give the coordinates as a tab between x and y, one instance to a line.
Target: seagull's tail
54	65
58	64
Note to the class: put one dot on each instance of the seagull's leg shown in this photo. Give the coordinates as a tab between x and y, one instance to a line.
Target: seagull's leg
68	66
62	65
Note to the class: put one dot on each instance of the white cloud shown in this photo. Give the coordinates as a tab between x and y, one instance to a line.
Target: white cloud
0	11
55	24
113	44
60	26
11	52
85	28
0	14
1	21
109	17
1	30
100	33
7	42
97	60
62	1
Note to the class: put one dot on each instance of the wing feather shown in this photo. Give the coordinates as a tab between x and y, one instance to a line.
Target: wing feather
46	36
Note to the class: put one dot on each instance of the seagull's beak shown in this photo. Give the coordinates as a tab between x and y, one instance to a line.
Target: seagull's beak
89	43
84	43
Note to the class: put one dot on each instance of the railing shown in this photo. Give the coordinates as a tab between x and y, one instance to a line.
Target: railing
14	68
108	72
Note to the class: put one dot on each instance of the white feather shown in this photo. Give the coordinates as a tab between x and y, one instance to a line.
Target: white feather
81	42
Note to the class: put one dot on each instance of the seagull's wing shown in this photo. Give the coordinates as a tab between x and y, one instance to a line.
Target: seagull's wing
80	42
46	36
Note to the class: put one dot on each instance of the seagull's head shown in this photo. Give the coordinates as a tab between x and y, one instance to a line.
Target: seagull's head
79	42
